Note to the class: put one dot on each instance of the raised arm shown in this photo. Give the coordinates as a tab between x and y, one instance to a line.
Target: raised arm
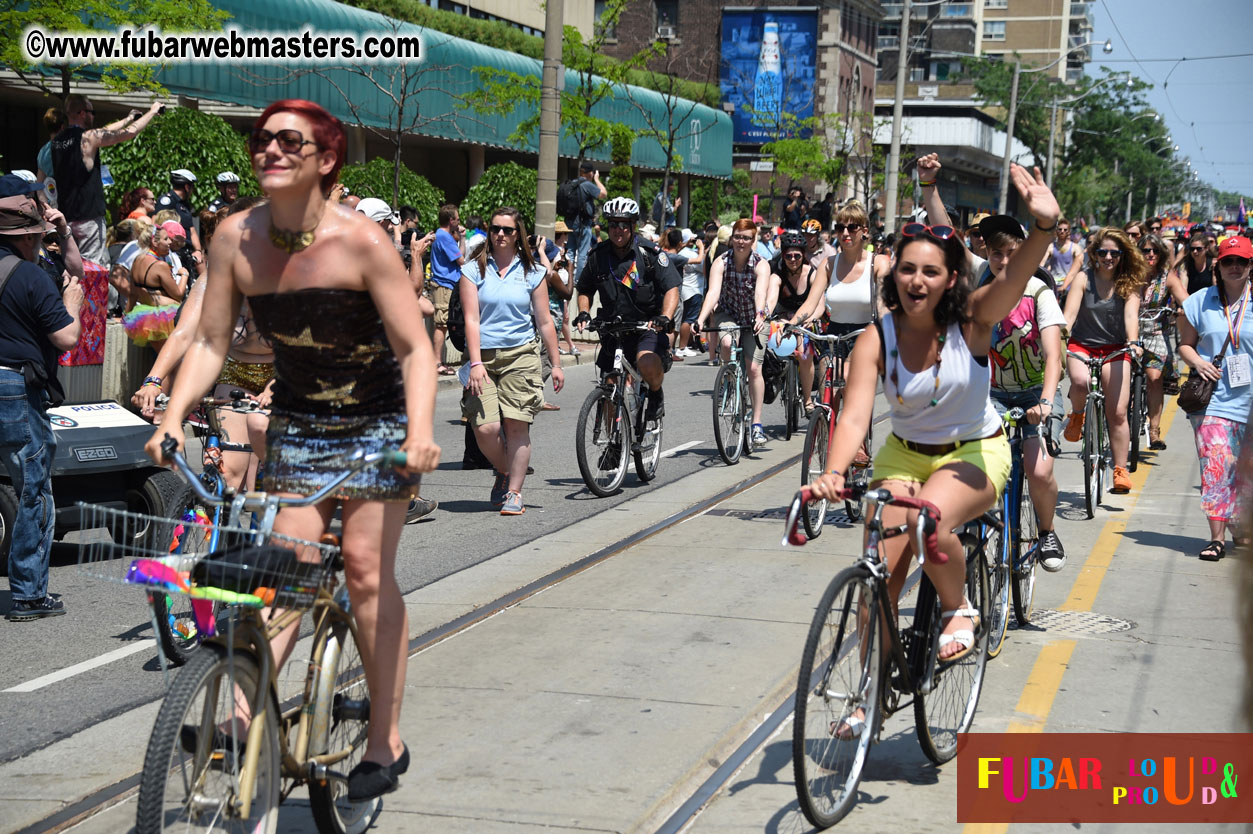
94	140
992	302
937	215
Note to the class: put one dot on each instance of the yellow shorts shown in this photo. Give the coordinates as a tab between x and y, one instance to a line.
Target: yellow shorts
895	462
515	389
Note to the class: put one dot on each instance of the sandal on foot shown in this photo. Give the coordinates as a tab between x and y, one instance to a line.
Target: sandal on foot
1213	551
850	727
964	637
369	780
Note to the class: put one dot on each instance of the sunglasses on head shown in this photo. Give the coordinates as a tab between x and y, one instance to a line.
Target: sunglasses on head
1109	253
1232	260
503	230
289	141
839	228
937	232
619	224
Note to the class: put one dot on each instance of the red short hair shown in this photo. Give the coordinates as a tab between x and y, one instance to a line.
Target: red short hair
328	131
744	225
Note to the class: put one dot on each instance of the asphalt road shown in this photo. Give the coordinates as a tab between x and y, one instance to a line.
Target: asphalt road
108	624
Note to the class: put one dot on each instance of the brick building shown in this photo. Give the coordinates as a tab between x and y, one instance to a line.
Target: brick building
845	64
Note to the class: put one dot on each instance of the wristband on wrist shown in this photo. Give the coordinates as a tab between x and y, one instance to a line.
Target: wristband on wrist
1042	229
926	184
152	380
835	472
475	364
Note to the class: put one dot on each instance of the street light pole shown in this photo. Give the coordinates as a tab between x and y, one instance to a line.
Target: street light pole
891	186
1009	139
549	119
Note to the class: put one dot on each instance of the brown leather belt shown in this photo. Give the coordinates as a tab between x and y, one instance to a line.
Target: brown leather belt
936	449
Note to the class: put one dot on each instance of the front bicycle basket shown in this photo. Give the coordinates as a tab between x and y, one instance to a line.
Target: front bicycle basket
191	555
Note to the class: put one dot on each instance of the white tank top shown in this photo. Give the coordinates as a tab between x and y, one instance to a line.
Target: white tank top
851	302
963	410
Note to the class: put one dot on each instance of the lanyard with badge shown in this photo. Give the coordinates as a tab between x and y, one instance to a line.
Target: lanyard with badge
1237	364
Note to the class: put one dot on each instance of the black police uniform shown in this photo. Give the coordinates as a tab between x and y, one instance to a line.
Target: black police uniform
655	275
171	200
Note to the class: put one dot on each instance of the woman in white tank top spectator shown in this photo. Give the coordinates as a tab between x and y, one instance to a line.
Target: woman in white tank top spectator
947	445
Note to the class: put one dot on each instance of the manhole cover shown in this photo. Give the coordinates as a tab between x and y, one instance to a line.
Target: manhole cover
1078	622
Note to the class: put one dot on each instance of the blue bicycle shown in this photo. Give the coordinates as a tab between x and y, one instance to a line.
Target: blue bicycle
1016	550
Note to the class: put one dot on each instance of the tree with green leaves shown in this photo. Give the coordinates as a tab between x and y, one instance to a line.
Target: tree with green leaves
55	79
503	92
503	184
380	178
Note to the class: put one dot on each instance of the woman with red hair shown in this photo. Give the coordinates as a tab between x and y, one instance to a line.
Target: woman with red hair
353	367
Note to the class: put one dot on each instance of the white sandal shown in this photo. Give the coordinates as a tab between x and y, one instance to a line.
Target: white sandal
964	637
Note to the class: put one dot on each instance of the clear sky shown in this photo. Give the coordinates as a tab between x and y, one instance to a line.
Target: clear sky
1207	104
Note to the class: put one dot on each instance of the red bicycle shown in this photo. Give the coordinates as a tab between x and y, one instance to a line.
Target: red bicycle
832	352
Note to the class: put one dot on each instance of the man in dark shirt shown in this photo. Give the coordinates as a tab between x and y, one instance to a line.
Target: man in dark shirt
76	159
178	198
581	224
636	282
795	210
36	323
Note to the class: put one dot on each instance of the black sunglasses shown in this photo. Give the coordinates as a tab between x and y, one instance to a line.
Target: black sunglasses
1196	248
839	228
1232	260
937	232
619	224
1109	253
793	256
503	230
289	141
1148	251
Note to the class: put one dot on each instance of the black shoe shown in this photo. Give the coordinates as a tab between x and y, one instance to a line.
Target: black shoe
656	406
369	780
229	749
1052	556
23	610
610	457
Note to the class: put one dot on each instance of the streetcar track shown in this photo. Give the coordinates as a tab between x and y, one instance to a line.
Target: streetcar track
107	797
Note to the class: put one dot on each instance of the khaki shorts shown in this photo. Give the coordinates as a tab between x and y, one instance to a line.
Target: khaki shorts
750	348
515	388
440	296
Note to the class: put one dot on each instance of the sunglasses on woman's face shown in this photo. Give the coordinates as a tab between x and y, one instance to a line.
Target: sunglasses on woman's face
1232	260
743	238
839	228
1196	248
289	141
937	232
504	230
793	256
1134	235
1113	254
1149	253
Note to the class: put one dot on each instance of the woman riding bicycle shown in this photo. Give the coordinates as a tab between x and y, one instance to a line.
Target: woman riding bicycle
1103	315
355	370
794	296
947	445
737	290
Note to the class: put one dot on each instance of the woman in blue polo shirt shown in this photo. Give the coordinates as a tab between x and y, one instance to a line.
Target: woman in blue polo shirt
505	298
1217	316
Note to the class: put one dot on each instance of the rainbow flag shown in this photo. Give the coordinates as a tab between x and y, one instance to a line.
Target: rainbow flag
631	277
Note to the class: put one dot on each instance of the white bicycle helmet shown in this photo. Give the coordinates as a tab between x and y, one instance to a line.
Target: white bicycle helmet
227	177
621	208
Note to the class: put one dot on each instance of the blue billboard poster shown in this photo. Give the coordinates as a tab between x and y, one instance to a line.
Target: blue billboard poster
769	61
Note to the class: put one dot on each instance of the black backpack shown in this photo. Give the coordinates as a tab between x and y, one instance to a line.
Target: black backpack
570	199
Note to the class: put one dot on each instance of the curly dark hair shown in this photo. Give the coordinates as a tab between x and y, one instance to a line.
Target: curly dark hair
953	304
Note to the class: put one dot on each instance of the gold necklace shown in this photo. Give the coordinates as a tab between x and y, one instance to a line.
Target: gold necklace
293	242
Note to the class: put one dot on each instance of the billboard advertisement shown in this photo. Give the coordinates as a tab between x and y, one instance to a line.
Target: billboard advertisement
768	68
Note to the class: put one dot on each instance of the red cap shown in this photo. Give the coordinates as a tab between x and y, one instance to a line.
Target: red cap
1236	245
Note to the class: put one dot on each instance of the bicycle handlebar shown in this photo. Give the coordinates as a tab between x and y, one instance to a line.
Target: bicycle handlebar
1094	361
823	337
357	461
926	539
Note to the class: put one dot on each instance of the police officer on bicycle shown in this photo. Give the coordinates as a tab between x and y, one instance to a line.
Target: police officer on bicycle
635	281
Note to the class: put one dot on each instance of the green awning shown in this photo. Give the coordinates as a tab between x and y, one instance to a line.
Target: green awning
434	93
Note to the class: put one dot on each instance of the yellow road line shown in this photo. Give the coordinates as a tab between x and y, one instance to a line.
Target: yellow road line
1036	701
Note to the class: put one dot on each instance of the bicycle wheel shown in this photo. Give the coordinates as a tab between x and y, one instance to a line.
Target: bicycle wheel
948	707
1091	474
191	778
1000	558
176	626
1102	452
729	424
791	401
839	675
603	443
648	451
1027	541
1135	417
813	464
340	720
